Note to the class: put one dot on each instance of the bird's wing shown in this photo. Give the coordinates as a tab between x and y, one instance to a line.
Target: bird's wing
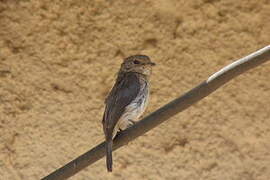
125	90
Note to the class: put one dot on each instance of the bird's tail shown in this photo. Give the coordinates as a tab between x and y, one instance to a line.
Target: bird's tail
109	162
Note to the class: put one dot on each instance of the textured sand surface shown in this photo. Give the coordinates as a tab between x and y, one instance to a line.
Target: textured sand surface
58	60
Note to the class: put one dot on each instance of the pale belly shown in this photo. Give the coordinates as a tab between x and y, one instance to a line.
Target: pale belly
133	111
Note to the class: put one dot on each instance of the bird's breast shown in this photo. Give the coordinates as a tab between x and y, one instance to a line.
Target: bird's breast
136	108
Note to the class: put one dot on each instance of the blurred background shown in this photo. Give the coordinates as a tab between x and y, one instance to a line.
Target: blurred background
59	59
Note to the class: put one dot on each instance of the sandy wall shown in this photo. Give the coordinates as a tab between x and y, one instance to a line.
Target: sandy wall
58	60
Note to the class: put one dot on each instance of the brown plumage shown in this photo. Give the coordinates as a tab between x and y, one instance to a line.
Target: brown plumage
127	100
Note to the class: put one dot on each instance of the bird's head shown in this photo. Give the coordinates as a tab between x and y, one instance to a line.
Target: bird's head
139	64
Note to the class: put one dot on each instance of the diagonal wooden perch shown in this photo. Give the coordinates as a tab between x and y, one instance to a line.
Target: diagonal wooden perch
164	113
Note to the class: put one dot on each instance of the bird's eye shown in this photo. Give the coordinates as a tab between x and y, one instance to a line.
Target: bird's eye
136	62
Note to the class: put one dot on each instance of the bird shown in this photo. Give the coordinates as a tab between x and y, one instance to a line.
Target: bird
127	99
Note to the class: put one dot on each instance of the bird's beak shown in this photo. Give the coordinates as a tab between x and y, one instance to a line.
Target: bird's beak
152	64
